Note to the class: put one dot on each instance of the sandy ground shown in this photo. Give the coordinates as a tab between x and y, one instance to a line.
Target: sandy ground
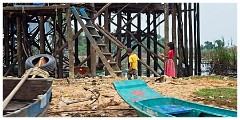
77	100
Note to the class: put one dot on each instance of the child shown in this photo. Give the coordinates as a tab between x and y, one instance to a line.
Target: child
169	68
133	61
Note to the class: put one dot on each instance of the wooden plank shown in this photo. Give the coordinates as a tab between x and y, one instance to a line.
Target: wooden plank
60	54
190	40
148	44
166	27
174	36
198	41
104	8
69	38
185	39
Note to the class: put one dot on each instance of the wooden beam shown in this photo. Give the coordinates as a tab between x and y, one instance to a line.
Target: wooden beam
120	10
69	38
195	41
145	7
76	42
107	28
60	54
185	39
139	47
190	40
86	59
10	69
92	50
155	42
19	48
149	68
147	49
42	35
180	40
198	40
174	36
100	11
6	40
148	44
129	29
119	37
166	27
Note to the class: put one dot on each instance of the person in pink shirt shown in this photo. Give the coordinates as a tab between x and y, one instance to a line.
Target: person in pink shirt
169	68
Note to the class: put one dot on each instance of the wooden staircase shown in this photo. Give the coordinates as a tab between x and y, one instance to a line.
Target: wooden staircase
98	45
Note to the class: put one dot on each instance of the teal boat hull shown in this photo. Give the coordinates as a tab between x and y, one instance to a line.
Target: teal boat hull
149	103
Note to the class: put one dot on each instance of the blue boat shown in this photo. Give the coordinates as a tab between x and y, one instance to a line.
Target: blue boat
148	102
31	100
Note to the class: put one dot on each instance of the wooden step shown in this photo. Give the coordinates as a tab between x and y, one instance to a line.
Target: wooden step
97	36
118	71
111	63
89	26
107	54
101	45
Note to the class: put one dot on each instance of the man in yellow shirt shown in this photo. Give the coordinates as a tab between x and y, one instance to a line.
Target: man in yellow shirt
133	61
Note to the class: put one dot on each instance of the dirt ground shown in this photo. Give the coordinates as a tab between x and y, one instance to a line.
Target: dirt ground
77	100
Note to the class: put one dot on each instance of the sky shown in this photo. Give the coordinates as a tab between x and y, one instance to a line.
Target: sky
218	20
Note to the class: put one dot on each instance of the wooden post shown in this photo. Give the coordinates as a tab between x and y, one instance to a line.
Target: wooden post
139	46
180	40
174	35
93	52
129	29
12	43
19	48
119	37
195	42
107	28
198	40
42	35
60	62
148	44
76	42
24	39
185	39
69	38
190	40
6	40
155	42
166	26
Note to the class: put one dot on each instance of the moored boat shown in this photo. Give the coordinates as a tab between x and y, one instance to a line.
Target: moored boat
31	100
148	102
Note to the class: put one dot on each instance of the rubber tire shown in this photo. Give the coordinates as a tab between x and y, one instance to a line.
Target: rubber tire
49	66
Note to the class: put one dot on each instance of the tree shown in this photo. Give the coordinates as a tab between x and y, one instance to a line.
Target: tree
208	45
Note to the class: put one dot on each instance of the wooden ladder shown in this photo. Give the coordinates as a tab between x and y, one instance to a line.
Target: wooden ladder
98	45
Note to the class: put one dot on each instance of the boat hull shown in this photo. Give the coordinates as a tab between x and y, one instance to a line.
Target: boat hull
32	99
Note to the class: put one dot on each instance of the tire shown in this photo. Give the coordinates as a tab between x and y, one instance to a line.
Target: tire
49	66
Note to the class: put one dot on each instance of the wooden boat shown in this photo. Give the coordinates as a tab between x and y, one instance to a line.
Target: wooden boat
148	102
31	100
